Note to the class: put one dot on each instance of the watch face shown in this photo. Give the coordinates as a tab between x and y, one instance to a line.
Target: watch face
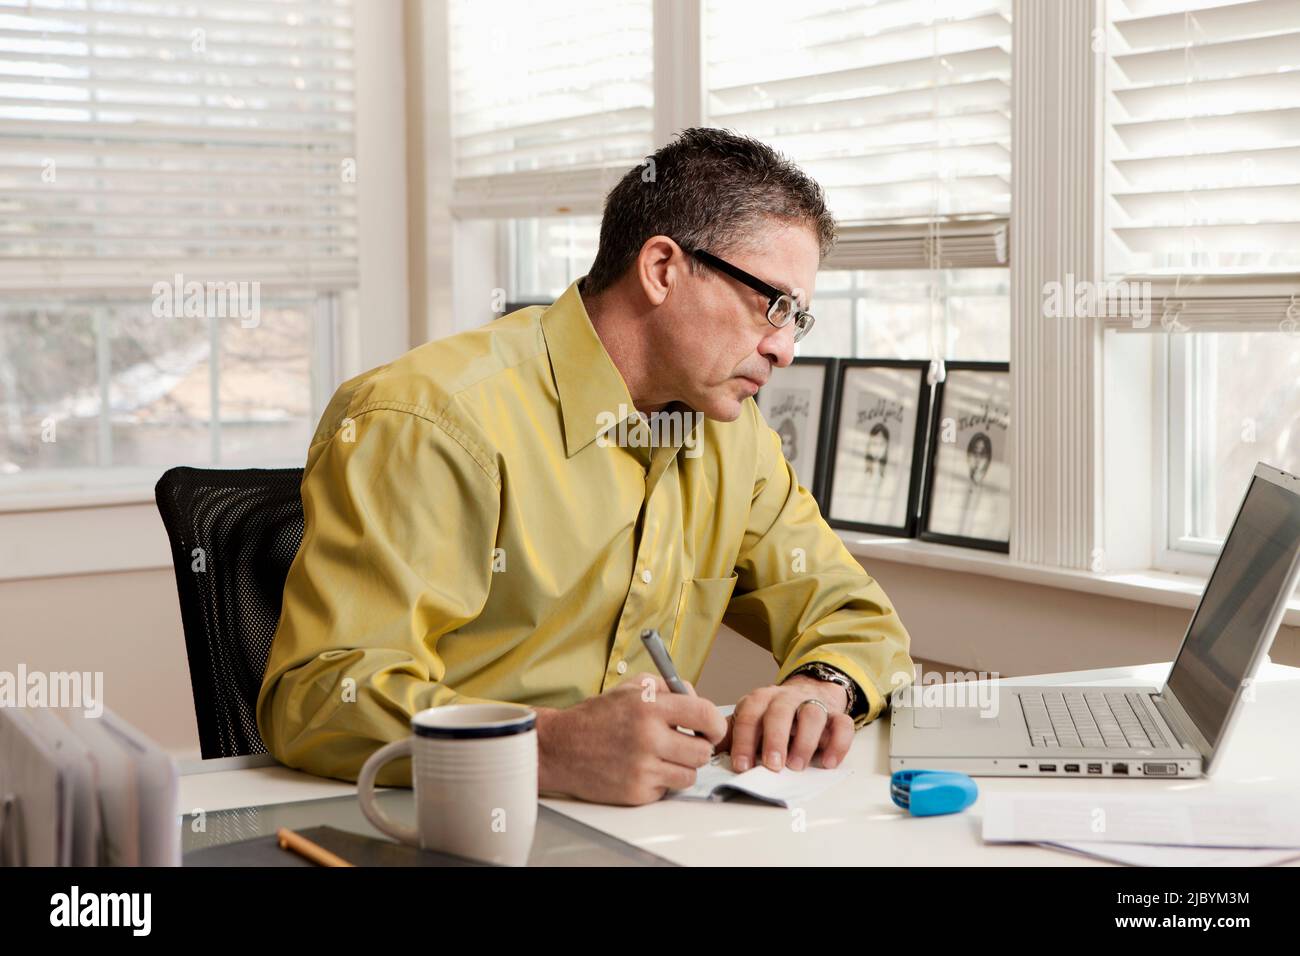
827	673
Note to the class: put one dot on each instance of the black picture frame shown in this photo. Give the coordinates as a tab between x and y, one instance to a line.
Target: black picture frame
820	453
936	427
909	526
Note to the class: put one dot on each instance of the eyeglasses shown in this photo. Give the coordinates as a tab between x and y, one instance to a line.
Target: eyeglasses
782	309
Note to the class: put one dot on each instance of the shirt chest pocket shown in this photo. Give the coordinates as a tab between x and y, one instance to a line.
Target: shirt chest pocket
700	607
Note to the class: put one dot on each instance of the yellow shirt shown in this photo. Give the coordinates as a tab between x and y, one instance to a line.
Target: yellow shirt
475	531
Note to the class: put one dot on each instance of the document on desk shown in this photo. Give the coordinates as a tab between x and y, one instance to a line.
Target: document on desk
717	781
1135	854
1176	818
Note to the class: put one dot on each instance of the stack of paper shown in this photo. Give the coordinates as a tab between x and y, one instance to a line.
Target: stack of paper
1180	828
82	790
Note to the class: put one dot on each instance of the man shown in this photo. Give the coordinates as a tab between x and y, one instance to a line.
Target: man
493	517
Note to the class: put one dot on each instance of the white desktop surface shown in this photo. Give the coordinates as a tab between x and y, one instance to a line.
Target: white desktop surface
259	786
855	822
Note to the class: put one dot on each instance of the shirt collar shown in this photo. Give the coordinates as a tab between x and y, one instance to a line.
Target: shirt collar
590	386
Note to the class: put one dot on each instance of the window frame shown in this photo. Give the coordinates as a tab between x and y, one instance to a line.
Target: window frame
1173	548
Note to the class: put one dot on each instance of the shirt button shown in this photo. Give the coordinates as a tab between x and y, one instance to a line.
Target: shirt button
622	667
646	576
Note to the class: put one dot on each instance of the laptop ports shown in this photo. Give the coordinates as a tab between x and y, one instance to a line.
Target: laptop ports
1094	768
1071	768
1047	768
1160	769
1120	768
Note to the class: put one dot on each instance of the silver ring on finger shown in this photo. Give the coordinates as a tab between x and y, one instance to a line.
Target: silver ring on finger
814	700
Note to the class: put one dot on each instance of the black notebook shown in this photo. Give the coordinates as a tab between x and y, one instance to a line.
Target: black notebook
356	849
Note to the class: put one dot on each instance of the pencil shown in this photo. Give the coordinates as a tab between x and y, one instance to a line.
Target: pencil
299	844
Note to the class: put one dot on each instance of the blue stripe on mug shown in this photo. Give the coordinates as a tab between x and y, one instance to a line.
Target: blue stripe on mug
470	733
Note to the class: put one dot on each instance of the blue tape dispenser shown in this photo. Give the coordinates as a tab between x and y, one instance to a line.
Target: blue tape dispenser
928	793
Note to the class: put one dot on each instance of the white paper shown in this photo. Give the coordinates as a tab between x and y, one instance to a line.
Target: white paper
786	788
1136	854
1167	819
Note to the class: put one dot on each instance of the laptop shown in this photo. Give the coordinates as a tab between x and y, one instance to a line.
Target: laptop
1178	730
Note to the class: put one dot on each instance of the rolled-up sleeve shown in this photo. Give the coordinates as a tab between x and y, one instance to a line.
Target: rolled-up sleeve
400	518
802	595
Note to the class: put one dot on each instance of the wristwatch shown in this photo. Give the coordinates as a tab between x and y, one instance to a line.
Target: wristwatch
836	676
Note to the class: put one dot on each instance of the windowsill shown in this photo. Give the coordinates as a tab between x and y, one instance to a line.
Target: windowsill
1149	586
91	488
74	498
69	488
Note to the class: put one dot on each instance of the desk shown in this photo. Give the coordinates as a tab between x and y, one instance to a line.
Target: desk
853	823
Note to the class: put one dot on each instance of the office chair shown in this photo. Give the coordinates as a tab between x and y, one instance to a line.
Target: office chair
233	534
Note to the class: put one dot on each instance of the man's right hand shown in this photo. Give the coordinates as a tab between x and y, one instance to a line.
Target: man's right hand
623	747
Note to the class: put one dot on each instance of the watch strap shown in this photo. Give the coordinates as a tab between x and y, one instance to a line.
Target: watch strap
857	701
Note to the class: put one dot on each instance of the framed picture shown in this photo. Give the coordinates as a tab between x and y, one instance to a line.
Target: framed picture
796	402
878	442
968	484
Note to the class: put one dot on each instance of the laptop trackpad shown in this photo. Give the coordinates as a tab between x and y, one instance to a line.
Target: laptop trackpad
927	717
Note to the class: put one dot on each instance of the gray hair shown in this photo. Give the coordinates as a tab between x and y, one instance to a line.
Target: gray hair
707	189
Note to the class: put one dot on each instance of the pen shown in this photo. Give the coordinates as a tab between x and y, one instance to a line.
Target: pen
659	654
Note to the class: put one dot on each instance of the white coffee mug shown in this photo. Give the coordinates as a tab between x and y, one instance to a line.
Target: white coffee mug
474	772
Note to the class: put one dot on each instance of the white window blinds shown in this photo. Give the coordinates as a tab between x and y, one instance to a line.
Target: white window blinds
550	105
144	138
1203	157
900	109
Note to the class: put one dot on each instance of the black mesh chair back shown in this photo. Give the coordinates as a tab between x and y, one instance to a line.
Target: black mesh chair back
233	534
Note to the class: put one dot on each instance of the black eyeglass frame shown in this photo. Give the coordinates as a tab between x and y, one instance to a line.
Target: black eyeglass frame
804	321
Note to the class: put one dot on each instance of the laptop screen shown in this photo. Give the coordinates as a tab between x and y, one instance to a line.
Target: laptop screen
1239	600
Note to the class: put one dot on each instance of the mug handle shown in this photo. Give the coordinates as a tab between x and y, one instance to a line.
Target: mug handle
366	791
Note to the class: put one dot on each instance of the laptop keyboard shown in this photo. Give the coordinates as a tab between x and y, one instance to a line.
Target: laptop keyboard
1109	719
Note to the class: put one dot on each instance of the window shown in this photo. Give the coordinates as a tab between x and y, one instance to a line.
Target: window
103	383
551	110
1203	144
545	116
549	254
900	110
179	231
1202	200
1236	395
886	313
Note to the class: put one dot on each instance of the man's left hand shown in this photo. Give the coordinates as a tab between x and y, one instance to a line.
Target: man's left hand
771	720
